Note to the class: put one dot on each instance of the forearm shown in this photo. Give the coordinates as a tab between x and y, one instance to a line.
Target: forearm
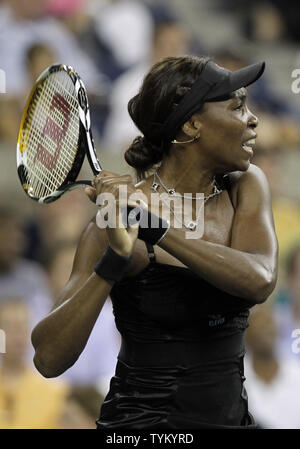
239	273
60	338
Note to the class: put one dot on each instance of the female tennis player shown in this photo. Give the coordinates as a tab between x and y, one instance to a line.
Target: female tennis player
181	305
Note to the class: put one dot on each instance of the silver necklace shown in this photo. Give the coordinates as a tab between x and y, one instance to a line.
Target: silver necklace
172	192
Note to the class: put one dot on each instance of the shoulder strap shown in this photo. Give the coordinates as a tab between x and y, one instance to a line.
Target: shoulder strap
151	252
226	182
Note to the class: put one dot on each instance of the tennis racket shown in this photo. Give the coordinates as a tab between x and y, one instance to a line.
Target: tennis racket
55	135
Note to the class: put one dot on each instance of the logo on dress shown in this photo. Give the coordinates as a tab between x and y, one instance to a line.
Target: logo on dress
216	320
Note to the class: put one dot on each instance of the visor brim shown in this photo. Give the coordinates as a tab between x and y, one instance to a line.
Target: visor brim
238	79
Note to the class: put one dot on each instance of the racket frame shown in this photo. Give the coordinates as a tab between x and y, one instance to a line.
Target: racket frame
85	141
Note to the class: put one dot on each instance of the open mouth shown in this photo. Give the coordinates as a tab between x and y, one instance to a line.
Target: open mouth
248	145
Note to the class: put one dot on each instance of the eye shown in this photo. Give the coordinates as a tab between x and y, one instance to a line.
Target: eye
238	107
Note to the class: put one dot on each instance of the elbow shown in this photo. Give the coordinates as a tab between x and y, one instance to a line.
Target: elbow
263	287
45	368
45	360
41	360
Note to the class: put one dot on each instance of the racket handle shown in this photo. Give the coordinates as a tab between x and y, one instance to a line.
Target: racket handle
59	193
86	183
152	228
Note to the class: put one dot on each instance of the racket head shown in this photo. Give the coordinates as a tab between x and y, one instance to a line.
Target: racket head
55	135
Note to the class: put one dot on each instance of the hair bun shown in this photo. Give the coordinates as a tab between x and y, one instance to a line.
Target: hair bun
142	153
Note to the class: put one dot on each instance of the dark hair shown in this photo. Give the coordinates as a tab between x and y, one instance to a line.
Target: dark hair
163	88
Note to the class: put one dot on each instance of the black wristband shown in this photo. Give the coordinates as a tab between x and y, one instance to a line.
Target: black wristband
112	266
152	228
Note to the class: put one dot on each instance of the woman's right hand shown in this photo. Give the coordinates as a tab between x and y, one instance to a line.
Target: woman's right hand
121	239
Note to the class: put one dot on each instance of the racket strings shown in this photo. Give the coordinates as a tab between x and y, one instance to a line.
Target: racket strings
65	162
45	177
39	116
37	170
50	134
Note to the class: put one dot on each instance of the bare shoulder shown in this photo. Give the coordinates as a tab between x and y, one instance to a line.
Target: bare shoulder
253	181
253	173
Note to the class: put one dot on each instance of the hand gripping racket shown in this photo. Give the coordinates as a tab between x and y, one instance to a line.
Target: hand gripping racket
55	135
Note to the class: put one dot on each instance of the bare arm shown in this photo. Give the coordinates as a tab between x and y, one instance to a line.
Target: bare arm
247	269
60	338
62	335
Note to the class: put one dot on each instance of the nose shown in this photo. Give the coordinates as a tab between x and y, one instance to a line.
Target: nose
252	120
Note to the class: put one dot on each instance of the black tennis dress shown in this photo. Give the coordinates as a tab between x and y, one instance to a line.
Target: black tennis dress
180	364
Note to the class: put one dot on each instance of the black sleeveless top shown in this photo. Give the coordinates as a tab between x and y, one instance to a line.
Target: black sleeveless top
164	301
181	358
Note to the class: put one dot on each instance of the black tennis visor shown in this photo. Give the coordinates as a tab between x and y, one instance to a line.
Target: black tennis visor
214	84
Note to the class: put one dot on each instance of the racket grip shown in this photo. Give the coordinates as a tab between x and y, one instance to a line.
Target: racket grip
152	228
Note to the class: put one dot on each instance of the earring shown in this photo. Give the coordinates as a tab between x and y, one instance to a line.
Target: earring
186	141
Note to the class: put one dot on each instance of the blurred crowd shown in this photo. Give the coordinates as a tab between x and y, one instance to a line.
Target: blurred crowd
112	44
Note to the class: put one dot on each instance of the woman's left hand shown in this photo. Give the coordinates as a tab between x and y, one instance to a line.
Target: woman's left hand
122	239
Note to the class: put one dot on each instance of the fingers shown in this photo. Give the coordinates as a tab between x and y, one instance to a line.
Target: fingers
121	236
107	177
113	193
91	193
109	184
120	186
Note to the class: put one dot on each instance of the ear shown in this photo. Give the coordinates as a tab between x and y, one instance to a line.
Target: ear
192	127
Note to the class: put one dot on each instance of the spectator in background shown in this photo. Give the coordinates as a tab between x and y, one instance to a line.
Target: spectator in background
81	408
29	42
24	24
20	277
27	400
170	39
126	28
267	21
287	306
289	14
38	58
263	22
10	114
75	17
272	382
